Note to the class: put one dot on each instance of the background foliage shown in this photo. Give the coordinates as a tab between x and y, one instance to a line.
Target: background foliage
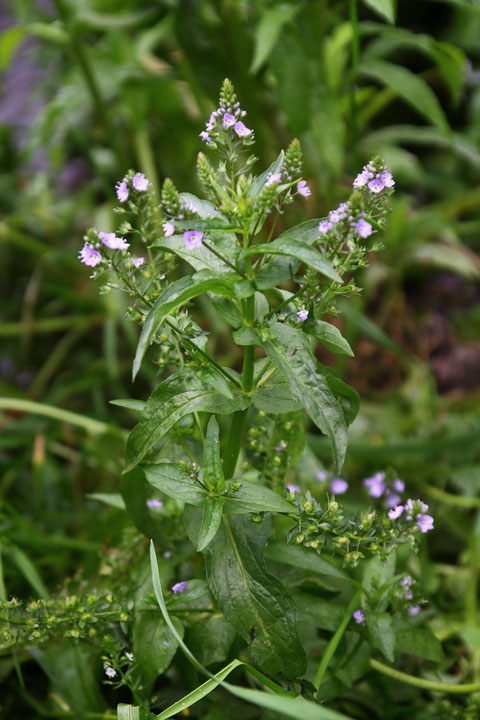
92	88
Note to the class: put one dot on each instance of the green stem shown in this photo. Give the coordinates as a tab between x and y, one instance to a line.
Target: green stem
145	156
334	641
27	406
425	684
353	77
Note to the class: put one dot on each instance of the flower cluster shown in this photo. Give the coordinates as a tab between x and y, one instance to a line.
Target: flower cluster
226	119
137	182
379	485
374	178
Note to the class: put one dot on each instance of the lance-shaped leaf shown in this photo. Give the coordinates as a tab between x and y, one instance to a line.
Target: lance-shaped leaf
289	351
298	249
179	293
254	498
252	600
260	181
179	395
212	465
211	520
329	335
174	482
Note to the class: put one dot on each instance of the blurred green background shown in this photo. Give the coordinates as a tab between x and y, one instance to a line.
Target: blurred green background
92	88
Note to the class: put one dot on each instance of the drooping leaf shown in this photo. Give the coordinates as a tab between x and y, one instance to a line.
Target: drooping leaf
113	499
154	646
129	404
384	8
211	520
180	395
419	641
297	249
329	335
275	397
301	557
28	570
268	31
252	600
347	396
211	639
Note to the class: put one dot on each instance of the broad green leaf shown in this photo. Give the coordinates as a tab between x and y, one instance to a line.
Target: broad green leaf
275	396
377	578
179	293
303	558
174	482
412	88
180	395
212	464
347	396
128	712
329	335
297	249
289	351
254	498
199	258
214	223
154	646
203	208
260	181
268	31
419	641
211	520
10	39
384	8
28	570
129	404
211	639
252	600
382	633
113	499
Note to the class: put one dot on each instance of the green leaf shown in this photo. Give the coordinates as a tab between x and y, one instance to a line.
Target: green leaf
113	499
303	558
454	258
297	249
412	88
384	8
154	646
377	578
347	396
199	258
174	482
275	397
134	489
211	639
211	520
254	498
212	464
268	31
420	642
381	633
203	208
128	712
129	404
289	351
179	395
260	181
329	335
179	293
252	600
28	570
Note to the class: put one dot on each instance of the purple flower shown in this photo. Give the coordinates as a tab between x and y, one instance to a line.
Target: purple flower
338	486
363	228
129	656
274	178
193	239
406	581
376	185
395	512
362	178
425	523
324	227
167	554
302	315
417	505
168	228
179	587
242	130
414	610
229	120
398	485
293	488
359	617
110	672
408	595
321	475
140	182
336	215
138	261
121	188
89	256
113	242
387	179
303	188
375	485
205	136
392	499
154	503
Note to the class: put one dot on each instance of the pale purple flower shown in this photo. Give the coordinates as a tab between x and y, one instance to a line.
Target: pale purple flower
338	486
193	239
324	227
167	554
154	503
302	315
129	656
398	485
179	587
420	506
425	523
414	610
376	185
168	228
110	672
392	499
241	129
211	121
140	182
274	178
113	242
395	512
387	179
408	595
229	120
89	256
293	488
363	228
375	485
359	617
121	188
406	581
321	475
205	136
138	261
303	188
362	178
336	215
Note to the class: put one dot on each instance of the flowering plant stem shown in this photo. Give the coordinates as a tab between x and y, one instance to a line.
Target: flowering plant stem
425	684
